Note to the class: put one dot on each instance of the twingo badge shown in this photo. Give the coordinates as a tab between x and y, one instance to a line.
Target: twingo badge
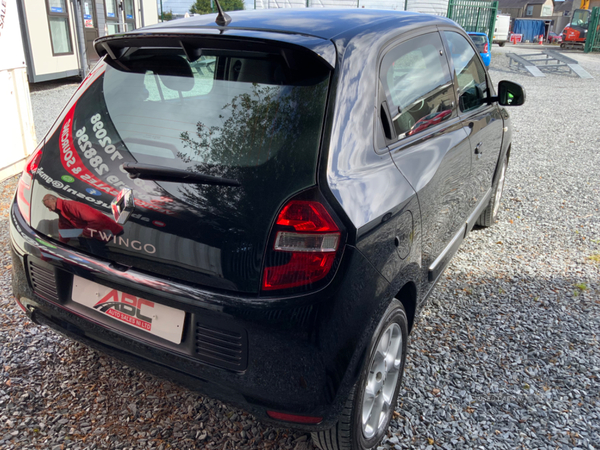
122	206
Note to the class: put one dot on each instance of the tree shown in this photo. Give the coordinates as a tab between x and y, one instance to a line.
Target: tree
166	15
267	133
204	6
268	141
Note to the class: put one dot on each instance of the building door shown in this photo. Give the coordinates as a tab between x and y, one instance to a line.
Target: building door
90	30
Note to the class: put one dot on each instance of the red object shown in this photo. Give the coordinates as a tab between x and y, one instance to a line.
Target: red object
306	216
573	35
24	186
541	39
485	48
516	38
294	418
553	37
311	244
575	32
20	305
429	120
73	215
76	168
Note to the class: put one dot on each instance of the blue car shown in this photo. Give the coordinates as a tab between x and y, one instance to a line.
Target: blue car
482	44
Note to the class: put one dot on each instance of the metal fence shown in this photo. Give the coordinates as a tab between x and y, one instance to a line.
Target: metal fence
268	4
474	15
592	40
397	5
437	7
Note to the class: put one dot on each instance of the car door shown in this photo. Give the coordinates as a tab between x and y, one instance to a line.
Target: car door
483	121
428	143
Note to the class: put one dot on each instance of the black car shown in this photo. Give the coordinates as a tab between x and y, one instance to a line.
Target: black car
260	208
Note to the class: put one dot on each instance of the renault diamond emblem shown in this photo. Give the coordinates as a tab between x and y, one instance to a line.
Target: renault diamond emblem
122	206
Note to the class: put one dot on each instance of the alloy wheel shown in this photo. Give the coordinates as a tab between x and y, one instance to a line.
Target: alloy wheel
381	381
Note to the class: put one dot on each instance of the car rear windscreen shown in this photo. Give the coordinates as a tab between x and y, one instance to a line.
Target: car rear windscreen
225	109
479	42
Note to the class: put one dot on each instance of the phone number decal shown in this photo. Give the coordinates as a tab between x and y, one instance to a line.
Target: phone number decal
71	160
73	163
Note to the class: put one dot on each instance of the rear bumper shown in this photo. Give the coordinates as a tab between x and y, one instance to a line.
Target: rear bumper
299	355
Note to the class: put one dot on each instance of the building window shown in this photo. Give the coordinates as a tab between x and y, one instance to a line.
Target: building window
529	11
129	15
112	17
58	22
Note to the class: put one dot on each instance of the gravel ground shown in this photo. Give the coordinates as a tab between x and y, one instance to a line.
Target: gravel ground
47	101
506	355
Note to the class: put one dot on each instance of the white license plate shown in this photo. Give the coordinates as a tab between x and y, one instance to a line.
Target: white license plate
152	317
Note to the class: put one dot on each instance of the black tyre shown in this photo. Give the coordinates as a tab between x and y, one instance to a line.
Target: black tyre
490	213
368	410
501	44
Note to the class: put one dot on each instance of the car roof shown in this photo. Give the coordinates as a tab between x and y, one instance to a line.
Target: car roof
322	23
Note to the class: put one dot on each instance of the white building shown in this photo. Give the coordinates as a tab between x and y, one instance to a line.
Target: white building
58	35
16	119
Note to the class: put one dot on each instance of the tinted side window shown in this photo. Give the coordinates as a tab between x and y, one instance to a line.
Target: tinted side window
417	83
470	74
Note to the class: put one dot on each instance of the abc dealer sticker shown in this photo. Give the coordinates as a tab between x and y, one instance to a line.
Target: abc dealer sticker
151	317
158	223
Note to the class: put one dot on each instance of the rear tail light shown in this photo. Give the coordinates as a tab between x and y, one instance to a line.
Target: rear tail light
485	48
305	246
24	186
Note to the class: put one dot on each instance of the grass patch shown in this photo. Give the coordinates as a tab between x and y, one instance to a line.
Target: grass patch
595	257
579	288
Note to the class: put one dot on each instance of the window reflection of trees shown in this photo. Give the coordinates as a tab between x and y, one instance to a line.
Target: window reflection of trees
268	141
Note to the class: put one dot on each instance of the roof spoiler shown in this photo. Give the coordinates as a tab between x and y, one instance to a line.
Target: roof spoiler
116	46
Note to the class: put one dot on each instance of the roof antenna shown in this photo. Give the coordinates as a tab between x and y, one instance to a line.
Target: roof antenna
222	18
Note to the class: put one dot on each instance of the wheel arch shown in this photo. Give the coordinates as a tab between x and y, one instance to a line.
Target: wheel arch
407	295
500	159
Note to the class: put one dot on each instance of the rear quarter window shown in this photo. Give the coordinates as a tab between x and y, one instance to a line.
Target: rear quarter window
418	85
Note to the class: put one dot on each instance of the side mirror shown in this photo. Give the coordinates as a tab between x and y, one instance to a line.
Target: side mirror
510	94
